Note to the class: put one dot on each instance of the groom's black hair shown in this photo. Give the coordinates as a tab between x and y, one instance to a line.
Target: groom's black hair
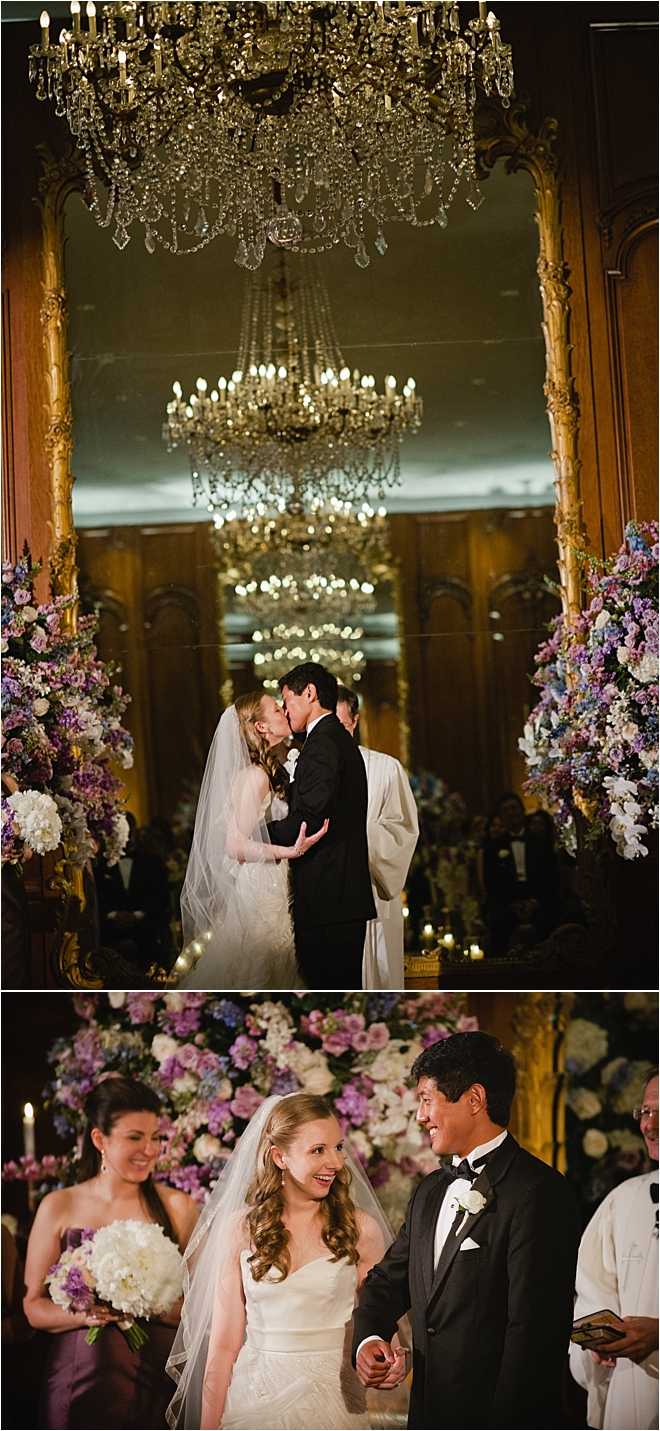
455	1063
309	673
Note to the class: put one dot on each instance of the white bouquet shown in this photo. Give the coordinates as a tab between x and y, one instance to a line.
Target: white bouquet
37	820
130	1266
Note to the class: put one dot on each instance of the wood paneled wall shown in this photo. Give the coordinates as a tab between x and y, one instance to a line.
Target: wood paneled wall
156	589
475	606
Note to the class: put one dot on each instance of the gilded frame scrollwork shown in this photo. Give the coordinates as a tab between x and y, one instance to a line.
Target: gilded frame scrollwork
500	134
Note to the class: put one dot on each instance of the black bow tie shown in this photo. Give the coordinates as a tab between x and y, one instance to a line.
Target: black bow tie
465	1170
653	1189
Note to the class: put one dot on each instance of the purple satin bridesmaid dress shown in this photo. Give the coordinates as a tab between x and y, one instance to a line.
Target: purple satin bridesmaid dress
106	1385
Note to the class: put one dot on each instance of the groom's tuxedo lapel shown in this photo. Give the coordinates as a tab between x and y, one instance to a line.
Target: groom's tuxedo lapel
428	1220
498	1165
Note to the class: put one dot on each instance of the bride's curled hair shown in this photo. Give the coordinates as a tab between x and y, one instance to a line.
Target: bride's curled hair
248	710
265	1196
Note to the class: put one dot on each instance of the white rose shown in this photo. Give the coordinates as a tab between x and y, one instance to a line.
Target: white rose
187	1083
584	1103
472	1201
311	1069
623	655
162	1047
603	618
207	1149
40	706
29	613
595	1143
174	1002
116	999
4	645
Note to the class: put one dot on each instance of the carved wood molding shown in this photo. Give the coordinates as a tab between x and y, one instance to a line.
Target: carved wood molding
435	587
540	1028
527	585
504	134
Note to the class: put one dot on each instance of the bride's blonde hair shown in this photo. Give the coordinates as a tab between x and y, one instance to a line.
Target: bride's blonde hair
265	1195
248	710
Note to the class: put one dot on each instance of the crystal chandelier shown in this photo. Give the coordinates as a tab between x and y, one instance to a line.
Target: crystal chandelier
303	122
283	647
292	423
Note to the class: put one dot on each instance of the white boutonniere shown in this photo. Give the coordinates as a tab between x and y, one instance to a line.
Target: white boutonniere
470	1203
290	762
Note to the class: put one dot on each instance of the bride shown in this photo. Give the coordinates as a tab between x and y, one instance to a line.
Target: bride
272	1275
235	898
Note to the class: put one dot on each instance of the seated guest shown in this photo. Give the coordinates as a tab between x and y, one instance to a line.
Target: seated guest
618	1272
521	879
134	903
392	831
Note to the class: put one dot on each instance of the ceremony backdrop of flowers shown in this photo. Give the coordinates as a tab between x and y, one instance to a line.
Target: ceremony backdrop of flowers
61	727
592	741
611	1042
213	1060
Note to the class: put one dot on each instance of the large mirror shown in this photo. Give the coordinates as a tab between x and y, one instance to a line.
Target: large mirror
442	650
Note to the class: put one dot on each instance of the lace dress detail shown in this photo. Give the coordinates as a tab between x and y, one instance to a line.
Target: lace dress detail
294	1371
254	947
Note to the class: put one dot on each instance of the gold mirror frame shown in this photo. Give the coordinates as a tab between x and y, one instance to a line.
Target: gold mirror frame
500	134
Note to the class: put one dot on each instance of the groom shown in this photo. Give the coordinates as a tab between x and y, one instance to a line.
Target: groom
332	898
486	1259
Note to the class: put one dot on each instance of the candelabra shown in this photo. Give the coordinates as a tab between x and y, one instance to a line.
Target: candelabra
304	123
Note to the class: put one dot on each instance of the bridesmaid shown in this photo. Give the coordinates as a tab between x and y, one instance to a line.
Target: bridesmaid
107	1384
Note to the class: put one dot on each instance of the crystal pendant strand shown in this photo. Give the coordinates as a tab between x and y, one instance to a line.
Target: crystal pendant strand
292	423
303	123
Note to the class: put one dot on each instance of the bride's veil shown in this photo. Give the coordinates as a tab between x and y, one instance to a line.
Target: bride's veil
207	1256
211	874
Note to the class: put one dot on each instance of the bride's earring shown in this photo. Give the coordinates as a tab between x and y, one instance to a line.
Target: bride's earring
104	1166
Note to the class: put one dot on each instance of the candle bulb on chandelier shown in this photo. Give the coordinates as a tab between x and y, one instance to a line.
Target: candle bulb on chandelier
483	9
44	21
158	58
28	1131
121	57
91	16
75	11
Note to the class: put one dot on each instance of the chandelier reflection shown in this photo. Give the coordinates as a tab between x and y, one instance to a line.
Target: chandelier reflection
304	581
292	423
304	122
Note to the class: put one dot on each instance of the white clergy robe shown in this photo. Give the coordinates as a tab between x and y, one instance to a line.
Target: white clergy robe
392	832
618	1272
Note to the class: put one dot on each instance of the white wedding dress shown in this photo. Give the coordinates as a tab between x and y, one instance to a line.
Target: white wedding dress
254	946
294	1370
237	914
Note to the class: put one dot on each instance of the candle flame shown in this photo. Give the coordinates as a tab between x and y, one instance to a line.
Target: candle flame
28	1111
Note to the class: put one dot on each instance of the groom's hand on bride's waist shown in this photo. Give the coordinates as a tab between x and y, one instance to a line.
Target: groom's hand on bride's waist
375	1362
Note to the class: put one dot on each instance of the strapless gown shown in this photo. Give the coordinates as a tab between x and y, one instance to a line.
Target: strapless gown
294	1372
106	1385
254	946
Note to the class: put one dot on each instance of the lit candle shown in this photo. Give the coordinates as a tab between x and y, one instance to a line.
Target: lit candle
158	58
483	9
476	953
75	11
121	56
44	21
91	16
28	1131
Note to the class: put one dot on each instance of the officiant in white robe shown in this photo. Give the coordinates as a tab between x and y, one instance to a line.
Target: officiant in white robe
392	833
618	1272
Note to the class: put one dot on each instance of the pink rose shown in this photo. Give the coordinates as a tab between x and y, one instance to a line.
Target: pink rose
336	1042
39	641
467	1024
379	1035
21	597
354	1023
207	1061
246	1102
189	1056
361	1041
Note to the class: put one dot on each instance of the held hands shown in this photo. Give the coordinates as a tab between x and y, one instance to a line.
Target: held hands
640	1340
305	841
378	1364
99	1316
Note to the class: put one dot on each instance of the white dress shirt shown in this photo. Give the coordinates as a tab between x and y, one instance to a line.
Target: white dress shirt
459	1186
449	1206
312	723
520	857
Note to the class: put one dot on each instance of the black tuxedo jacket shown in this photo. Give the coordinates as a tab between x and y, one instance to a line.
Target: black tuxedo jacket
331	883
491	1325
500	878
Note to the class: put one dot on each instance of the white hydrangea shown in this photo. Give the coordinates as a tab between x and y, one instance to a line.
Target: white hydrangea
278	1023
311	1069
586	1044
645	669
37	820
393	1063
585	1103
136	1268
116	842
